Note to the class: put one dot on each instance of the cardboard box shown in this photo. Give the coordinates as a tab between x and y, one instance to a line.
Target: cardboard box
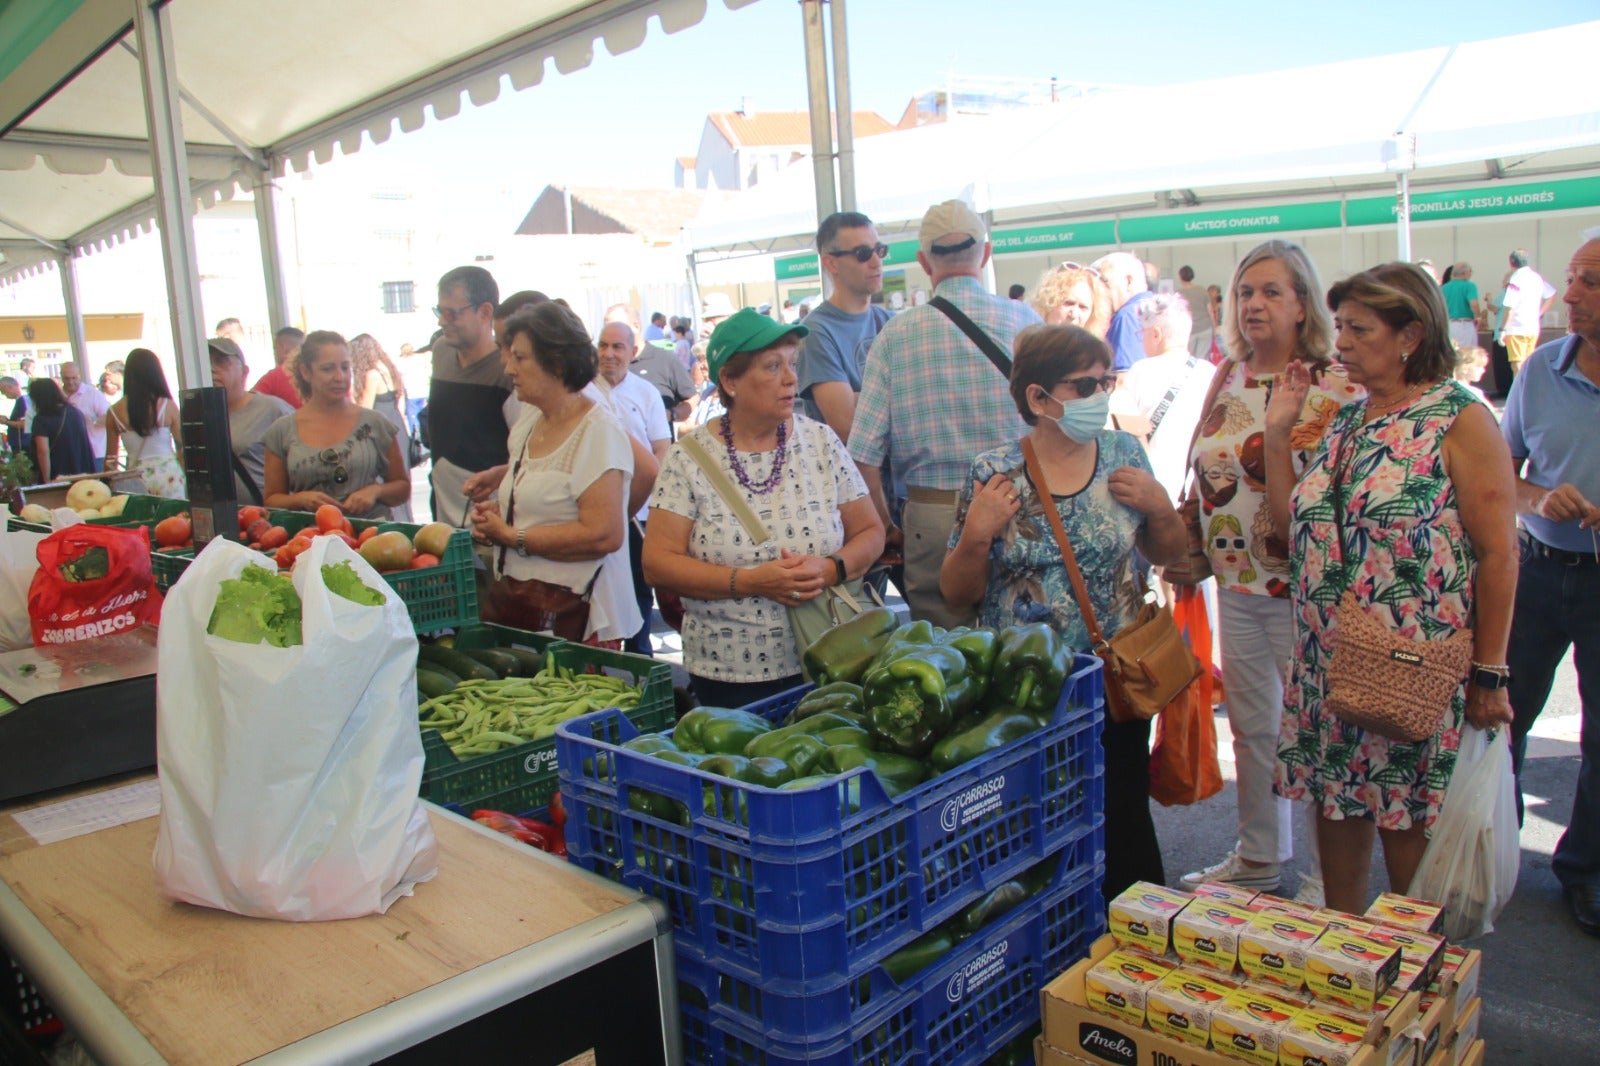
1249	1024
1073	1034
1207	934
1321	1035
1391	908
1181	1004
1466	1030
1119	984
1225	893
1273	948
1458	976
1436	1025
1142	916
1476	1055
1351	970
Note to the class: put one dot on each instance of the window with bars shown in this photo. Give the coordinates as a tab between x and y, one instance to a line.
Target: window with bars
399	297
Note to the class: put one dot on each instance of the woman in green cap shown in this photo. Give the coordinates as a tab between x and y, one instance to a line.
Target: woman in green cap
796	476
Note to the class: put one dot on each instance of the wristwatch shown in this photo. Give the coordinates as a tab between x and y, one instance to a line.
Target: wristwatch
521	548
1490	677
838	564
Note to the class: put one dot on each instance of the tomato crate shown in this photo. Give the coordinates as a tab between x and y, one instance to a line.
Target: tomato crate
522	779
806	883
957	1012
437	597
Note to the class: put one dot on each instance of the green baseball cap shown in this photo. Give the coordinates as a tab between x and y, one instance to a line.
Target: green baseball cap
744	331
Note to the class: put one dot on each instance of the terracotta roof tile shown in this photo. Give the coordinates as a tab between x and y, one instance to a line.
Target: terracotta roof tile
784	127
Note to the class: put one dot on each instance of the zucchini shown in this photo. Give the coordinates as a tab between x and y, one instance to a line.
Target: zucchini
463	666
435	681
502	663
530	662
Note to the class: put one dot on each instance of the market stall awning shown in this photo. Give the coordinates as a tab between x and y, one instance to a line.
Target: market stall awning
265	86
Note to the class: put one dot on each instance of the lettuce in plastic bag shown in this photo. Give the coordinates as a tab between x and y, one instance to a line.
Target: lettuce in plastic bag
342	580
258	605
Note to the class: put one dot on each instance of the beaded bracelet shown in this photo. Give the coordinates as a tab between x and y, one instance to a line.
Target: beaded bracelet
733	579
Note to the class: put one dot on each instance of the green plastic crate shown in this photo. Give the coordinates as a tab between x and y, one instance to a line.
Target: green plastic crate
522	779
140	510
439	597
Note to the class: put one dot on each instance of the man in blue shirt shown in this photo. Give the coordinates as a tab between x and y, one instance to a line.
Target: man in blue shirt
1125	281
1549	423
844	325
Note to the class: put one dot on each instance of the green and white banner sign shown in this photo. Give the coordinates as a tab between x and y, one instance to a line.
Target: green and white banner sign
1188	225
1064	235
1556	195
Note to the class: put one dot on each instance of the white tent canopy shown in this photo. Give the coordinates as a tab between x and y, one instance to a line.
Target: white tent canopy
1324	128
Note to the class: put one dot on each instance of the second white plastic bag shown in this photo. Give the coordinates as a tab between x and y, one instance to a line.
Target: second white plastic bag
289	776
1470	866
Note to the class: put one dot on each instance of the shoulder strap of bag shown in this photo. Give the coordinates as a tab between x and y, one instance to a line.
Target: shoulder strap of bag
1217	381
244	475
1172	394
985	343
724	485
1048	503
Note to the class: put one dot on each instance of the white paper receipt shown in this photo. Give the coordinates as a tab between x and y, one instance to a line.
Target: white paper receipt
88	814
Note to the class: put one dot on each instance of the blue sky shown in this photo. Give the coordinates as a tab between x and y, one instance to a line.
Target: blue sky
622	120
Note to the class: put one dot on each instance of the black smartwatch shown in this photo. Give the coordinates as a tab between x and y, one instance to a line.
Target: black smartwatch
838	564
1489	677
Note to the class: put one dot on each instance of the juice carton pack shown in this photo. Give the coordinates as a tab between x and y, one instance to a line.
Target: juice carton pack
1207	934
1142	916
1249	1025
1225	893
1269	903
1390	908
1321	1036
1344	968
1273	947
1181	1004
1293	995
1119	983
1340	920
1426	950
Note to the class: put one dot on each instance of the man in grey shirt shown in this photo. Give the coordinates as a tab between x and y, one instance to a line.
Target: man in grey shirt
249	415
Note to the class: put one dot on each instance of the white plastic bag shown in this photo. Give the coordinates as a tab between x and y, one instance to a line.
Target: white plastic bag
19	560
1470	866
289	776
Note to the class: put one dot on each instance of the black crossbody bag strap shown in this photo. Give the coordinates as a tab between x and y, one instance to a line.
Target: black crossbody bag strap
244	475
985	343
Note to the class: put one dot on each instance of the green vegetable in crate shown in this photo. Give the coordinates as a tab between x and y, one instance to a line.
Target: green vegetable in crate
974	738
991	905
844	652
918	955
258	606
841	696
980	647
501	661
764	770
435	681
913	698
718	730
463	666
480	717
830	727
896	773
910	635
342	580
1032	666
801	752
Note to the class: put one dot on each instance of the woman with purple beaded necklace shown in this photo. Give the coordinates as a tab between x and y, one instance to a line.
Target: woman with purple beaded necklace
797	477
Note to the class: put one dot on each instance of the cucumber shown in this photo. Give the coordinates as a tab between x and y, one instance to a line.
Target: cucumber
529	662
503	664
463	666
435	681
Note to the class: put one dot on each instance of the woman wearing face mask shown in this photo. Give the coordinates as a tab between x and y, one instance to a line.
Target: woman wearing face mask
1003	555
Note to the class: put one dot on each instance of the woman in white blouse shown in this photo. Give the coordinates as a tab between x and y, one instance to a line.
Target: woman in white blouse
797	477
558	519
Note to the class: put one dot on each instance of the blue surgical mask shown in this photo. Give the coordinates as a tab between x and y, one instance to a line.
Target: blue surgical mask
1082	420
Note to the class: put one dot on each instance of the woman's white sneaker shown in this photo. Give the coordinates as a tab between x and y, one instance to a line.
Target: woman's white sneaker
1234	871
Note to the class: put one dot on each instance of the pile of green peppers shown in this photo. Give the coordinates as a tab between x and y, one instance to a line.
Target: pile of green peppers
939	941
906	702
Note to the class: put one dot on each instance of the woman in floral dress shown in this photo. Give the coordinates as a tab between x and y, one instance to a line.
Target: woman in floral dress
1428	545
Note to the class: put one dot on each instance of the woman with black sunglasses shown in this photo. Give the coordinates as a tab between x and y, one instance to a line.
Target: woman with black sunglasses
333	450
1003	554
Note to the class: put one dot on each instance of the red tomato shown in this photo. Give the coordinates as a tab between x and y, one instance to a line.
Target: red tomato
255	529
329	517
422	560
367	534
284	557
347	538
274	537
174	532
347	527
250	515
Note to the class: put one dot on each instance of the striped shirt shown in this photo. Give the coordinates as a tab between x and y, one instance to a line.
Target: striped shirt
930	397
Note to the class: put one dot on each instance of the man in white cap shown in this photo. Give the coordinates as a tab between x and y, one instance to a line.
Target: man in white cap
935	399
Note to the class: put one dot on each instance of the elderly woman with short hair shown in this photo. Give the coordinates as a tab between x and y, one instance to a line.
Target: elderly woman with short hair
1003	555
1158	398
797	477
1071	294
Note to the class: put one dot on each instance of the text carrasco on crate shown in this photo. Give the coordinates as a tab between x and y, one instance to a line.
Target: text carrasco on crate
974	803
977	973
540	762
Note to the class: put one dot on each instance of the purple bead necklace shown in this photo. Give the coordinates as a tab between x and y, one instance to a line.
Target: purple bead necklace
738	468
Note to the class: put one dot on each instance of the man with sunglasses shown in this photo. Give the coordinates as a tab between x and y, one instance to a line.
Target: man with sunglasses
844	325
467	420
934	400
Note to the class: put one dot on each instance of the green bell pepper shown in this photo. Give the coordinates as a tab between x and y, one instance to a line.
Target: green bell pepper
844	652
763	770
718	730
987	908
896	773
918	955
830	727
799	751
913	698
910	635
844	696
972	739
1032	666
981	647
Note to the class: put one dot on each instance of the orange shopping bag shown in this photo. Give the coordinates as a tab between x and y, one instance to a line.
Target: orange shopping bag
1183	760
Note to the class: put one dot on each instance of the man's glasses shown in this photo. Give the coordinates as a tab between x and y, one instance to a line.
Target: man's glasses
1087	387
864	252
450	314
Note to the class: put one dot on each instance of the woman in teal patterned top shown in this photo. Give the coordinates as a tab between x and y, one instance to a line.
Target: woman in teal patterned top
1003	553
1428	537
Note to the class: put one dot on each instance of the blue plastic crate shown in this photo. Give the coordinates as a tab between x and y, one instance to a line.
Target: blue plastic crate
957	1012
814	883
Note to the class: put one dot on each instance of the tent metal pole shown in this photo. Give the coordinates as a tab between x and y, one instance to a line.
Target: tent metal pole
69	297
1402	218
266	197
158	77
843	111
817	100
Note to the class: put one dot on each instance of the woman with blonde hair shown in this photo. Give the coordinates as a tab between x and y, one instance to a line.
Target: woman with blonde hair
1071	294
1273	319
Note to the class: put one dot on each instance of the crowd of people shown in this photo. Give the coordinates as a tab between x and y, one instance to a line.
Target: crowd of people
1343	468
